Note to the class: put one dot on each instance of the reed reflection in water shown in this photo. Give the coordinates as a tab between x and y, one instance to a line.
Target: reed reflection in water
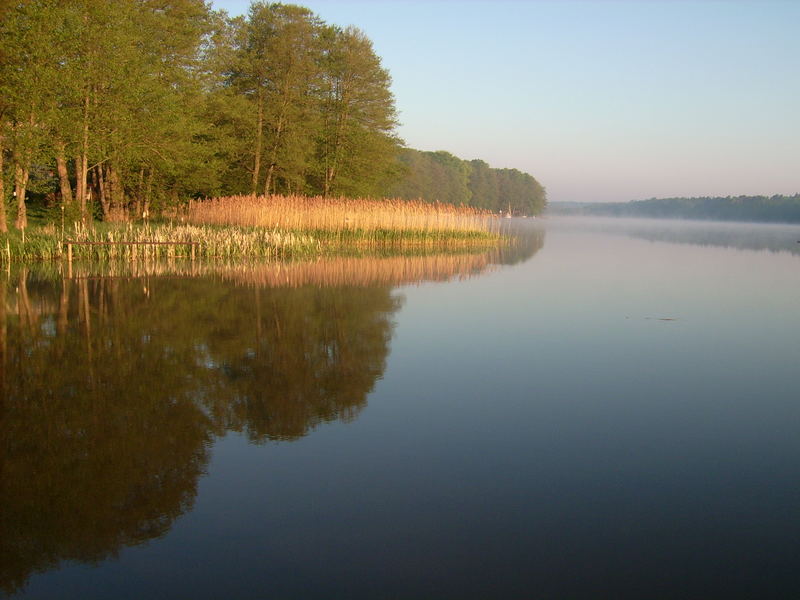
116	386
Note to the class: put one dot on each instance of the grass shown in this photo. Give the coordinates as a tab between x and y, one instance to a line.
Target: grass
213	241
265	227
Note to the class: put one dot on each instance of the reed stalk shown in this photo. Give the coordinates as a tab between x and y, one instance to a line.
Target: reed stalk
354	218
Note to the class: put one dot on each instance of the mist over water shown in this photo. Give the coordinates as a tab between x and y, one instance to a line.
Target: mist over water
744	236
608	408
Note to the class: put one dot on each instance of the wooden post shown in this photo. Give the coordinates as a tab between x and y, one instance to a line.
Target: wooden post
69	252
193	250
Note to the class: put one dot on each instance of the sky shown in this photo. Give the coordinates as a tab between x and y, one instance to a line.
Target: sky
599	100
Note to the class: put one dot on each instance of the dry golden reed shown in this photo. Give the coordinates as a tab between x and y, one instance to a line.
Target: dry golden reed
301	213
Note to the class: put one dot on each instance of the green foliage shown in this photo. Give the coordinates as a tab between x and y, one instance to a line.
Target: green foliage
357	145
161	101
128	107
442	177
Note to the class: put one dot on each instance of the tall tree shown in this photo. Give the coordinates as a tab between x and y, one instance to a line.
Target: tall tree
357	145
294	74
276	66
29	69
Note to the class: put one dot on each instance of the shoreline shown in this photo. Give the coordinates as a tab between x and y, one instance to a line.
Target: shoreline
166	239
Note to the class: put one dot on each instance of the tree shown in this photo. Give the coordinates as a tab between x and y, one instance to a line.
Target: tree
140	98
29	73
440	176
275	66
483	185
135	104
357	145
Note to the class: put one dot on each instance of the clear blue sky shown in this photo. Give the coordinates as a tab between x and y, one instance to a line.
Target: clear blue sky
599	100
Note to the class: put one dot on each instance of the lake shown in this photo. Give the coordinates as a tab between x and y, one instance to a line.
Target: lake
609	408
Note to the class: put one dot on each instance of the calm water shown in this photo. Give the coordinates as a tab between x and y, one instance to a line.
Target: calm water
612	409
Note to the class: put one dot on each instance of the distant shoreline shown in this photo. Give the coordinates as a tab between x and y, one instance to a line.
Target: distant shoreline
754	209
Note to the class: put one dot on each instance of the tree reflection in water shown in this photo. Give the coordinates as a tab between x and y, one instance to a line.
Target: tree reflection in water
115	387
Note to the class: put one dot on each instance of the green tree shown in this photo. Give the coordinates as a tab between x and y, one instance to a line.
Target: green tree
357	146
275	65
144	112
483	185
440	176
29	81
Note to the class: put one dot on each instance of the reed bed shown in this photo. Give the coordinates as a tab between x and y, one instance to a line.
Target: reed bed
264	227
225	242
135	242
353	219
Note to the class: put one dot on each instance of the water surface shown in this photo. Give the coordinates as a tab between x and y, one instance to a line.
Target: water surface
610	409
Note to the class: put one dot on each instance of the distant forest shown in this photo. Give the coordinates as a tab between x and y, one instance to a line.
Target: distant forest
132	105
442	177
777	209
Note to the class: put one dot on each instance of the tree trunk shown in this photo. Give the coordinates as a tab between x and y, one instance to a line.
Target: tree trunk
139	202
332	170
259	136
3	224
338	144
116	193
63	174
273	158
80	192
98	183
20	187
326	185
82	164
148	189
268	182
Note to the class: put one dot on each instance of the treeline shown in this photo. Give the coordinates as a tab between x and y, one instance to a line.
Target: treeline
115	109
778	209
135	103
440	176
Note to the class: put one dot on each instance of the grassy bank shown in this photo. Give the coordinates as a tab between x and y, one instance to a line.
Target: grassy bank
274	227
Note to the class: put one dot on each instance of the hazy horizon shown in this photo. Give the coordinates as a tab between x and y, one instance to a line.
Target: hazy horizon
599	100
